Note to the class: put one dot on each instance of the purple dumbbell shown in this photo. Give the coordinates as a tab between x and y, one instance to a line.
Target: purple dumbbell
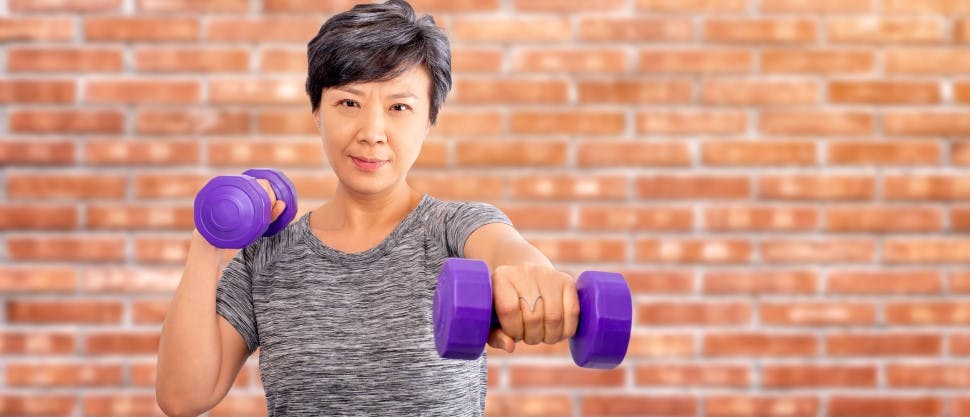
463	315
232	211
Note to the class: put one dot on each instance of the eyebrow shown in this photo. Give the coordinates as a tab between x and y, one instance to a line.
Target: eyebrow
351	90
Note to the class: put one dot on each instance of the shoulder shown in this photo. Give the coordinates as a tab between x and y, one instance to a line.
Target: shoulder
264	251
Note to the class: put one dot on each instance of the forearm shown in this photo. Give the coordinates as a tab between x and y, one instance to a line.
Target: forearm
189	348
517	251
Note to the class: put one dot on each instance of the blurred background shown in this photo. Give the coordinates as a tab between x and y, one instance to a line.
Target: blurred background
784	184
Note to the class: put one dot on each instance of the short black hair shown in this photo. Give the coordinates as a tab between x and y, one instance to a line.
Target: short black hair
377	42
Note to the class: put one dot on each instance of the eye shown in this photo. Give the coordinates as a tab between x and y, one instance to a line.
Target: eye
352	103
401	107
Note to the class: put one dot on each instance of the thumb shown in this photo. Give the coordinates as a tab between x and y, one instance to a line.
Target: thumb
499	340
278	208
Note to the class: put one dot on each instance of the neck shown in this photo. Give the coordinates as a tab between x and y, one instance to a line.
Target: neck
362	212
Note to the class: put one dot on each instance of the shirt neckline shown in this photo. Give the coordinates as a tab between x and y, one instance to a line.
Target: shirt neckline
377	251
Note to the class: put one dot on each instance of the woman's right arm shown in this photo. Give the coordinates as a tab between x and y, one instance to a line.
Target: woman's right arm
199	353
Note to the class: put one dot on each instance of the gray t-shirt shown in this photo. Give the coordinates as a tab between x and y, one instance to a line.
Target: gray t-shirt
351	333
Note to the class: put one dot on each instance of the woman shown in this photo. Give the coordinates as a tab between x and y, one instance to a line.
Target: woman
339	302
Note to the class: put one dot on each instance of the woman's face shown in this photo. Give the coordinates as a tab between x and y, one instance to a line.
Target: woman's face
373	132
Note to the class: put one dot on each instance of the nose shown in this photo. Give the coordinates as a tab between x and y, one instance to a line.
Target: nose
372	127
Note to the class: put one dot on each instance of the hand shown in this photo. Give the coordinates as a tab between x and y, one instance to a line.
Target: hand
535	304
276	206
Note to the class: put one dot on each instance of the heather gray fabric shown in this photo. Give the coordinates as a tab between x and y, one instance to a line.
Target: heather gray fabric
351	333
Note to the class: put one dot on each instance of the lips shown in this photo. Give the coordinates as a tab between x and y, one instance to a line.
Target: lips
368	164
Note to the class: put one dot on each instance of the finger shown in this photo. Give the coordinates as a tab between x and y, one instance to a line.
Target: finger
278	207
506	301
570	308
269	189
531	305
499	340
551	287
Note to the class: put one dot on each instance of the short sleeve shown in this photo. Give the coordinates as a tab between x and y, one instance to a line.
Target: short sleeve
234	297
467	218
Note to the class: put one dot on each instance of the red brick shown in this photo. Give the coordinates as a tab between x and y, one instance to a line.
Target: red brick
661	345
928	375
497	152
62	6
704	6
627	29
626	218
36	91
558	60
883	344
278	153
34	404
960	218
514	29
28	279
693	187
36	29
142	91
690	375
927	123
36	152
189	6
633	153
680	122
510	91
284	60
76	248
961	31
65	186
297	122
760	282
884	406
756	152
511	404
37	343
597	404
149	311
254	91
882	219
926	6
135	280
465	59
884	92
741	406
535	376
191	59
66	121
161	250
120	152
582	250
434	154
169	185
758	93
818	376
263	29
927	60
705	313
586	122
712	61
659	281
568	6
884	30
760	30
126	29
926	250
883	282
63	375
960	152
635	91
928	313
139	217
64	311
760	218
682	250
815	6
449	187
63	59
961	92
121	343
816	187
915	152
569	187
192	121
120	404
823	250
530	216
817	313
468	123
824	61
299	6
926	187
760	344
816	122
37	217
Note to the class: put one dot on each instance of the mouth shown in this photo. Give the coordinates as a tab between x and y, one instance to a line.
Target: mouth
368	164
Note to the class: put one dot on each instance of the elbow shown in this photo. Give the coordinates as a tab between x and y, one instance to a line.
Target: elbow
174	404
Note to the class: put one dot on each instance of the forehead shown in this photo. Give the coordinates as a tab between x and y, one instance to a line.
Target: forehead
414	80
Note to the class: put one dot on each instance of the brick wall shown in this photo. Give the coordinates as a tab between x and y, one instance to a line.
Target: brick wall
784	184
